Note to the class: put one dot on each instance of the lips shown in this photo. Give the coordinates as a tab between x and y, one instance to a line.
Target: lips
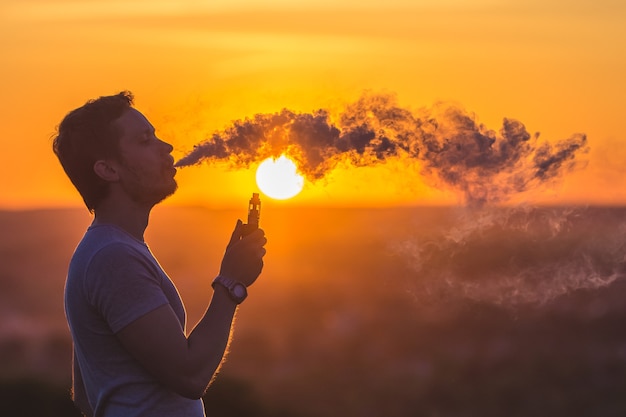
170	165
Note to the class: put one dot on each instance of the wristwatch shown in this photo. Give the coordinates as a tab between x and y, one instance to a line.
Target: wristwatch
236	290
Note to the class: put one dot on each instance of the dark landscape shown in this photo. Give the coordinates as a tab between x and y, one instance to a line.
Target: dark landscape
422	311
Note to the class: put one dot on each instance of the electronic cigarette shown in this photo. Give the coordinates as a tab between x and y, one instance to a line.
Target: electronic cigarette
254	214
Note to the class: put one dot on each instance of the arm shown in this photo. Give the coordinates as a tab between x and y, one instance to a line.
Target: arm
187	364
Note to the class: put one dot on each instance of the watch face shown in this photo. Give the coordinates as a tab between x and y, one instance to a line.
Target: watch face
239	291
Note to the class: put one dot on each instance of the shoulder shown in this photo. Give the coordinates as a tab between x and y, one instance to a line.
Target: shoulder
119	260
119	273
117	250
111	257
107	242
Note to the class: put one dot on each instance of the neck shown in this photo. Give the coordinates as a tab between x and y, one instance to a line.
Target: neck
131	217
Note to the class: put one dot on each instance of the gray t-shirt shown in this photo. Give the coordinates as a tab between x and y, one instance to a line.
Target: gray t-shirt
113	280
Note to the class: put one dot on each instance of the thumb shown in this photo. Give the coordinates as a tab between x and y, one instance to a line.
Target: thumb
237	233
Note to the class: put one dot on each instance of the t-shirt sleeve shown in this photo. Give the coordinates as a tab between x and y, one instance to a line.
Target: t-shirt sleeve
122	285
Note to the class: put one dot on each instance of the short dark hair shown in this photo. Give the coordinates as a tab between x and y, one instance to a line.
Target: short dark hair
86	135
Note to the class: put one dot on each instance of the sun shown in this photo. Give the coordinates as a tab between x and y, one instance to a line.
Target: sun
279	178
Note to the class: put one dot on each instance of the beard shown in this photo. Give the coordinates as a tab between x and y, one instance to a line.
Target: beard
159	195
149	189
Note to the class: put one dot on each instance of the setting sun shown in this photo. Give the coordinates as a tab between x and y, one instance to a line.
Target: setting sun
279	178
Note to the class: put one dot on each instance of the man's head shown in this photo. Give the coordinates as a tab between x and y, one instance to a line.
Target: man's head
107	143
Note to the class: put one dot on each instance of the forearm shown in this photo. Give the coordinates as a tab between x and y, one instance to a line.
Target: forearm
208	341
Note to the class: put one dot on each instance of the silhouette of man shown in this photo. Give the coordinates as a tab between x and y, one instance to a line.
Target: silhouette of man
131	354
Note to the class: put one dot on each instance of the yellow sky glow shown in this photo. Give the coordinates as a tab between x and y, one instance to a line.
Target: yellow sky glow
195	66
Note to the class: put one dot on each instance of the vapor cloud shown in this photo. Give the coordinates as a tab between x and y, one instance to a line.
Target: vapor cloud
452	149
518	255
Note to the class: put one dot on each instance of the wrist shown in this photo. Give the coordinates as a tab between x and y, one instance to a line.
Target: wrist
234	289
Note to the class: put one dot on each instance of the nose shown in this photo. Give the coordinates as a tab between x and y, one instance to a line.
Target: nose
169	148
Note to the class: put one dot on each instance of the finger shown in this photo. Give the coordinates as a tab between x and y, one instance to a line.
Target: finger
236	236
258	235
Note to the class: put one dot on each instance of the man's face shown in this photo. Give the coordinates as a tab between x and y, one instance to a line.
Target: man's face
146	168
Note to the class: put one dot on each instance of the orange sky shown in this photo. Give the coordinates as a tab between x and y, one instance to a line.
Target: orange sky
557	66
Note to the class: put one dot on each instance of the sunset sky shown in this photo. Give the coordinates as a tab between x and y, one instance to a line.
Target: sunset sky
195	66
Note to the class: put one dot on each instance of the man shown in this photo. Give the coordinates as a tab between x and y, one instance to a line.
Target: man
131	354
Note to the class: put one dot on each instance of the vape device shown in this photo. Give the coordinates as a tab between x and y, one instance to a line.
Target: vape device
254	214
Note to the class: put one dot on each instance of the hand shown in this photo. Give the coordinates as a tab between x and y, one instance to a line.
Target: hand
243	259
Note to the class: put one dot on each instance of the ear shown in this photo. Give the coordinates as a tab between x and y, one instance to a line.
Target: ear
106	170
